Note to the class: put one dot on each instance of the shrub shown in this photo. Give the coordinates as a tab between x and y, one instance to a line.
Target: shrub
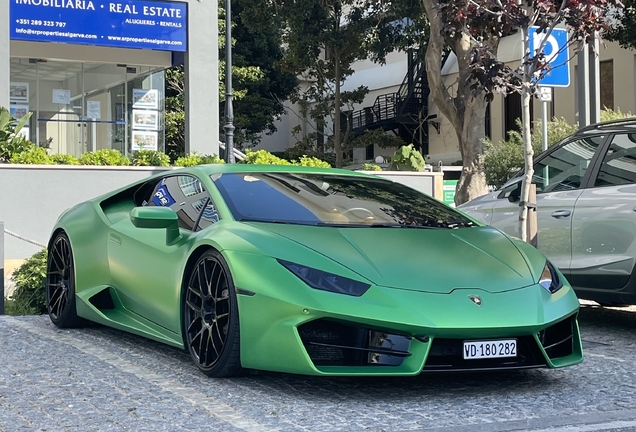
29	297
110	157
311	161
263	157
197	159
150	158
502	160
371	167
64	159
608	114
11	142
32	156
407	158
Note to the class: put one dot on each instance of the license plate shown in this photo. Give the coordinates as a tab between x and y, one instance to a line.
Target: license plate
490	349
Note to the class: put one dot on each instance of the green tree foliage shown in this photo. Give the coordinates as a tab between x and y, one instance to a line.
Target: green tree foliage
175	112
258	46
323	40
623	29
258	84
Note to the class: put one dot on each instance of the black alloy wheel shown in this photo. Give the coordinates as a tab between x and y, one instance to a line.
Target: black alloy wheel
210	317
60	284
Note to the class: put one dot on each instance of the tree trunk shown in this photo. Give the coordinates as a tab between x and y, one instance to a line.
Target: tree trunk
470	134
528	156
466	110
527	143
337	144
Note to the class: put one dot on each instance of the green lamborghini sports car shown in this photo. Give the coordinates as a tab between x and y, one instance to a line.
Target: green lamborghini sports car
308	271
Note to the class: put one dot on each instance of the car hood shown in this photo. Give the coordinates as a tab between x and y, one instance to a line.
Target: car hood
428	260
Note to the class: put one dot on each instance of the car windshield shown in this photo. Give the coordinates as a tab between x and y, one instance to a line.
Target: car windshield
332	200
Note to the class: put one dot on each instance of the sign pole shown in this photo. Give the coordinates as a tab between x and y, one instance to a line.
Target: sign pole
545	94
544	123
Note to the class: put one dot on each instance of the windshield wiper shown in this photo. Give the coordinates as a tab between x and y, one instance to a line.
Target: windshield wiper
397	225
376	225
268	221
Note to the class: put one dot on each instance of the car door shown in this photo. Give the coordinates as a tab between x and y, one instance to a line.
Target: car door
604	220
559	176
146	270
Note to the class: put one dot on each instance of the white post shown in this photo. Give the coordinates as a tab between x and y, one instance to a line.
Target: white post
545	94
583	81
595	82
202	78
5	55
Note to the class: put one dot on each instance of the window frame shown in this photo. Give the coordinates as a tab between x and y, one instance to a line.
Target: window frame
590	174
199	214
601	158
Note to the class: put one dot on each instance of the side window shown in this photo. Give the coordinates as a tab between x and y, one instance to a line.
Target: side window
619	163
187	196
564	168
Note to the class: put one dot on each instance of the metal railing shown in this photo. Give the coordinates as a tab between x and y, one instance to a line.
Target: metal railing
408	99
237	153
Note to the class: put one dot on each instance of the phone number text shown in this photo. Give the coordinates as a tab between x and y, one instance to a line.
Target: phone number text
58	24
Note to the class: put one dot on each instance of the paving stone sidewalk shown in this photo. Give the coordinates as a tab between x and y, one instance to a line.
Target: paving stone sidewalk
102	379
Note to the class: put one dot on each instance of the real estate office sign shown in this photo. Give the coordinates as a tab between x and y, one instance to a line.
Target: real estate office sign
155	25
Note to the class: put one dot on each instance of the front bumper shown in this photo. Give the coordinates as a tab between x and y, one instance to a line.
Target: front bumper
288	327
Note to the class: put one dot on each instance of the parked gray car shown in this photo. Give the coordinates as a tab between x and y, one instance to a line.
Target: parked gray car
586	201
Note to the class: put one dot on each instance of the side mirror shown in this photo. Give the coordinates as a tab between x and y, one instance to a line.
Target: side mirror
157	217
515	194
511	192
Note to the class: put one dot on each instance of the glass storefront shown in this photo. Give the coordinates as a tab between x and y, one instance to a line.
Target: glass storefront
80	107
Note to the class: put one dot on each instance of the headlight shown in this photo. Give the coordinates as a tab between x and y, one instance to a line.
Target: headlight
322	280
550	279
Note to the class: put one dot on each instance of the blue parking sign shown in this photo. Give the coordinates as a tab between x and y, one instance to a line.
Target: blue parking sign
559	76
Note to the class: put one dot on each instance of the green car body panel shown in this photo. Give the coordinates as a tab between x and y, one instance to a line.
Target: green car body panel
420	280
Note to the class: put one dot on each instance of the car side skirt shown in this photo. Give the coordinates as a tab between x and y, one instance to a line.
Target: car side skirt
93	304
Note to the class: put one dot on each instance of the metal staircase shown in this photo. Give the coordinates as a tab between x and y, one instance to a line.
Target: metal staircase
403	111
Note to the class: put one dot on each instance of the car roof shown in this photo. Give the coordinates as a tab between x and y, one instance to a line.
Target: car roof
626	125
251	168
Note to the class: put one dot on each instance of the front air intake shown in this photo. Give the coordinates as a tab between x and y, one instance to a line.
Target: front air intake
557	339
330	343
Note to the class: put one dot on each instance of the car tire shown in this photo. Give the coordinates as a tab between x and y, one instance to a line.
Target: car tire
210	317
60	284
